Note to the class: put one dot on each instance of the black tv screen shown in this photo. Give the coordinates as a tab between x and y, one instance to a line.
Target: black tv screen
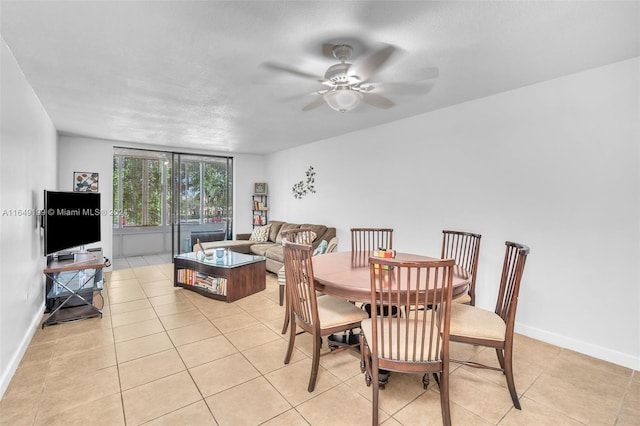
71	219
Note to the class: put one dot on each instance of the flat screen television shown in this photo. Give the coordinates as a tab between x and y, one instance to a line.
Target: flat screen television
70	220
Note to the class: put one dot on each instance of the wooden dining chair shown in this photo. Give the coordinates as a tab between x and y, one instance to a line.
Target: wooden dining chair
476	326
319	316
464	247
417	343
365	240
300	236
369	239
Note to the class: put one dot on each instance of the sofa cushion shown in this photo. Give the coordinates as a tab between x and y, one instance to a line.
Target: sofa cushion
260	234
285	227
275	252
275	228
261	248
318	229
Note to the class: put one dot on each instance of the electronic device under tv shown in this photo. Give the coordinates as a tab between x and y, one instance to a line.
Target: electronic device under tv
70	220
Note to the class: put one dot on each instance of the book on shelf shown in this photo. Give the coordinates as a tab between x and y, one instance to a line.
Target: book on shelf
212	284
259	205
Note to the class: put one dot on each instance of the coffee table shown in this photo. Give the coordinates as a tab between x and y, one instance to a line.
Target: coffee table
229	278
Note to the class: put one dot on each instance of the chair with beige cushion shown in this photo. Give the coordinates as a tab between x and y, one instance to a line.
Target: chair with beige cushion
300	236
416	343
464	247
476	326
319	316
332	247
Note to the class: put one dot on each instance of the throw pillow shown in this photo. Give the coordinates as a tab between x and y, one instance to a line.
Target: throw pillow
260	234
322	248
305	237
285	227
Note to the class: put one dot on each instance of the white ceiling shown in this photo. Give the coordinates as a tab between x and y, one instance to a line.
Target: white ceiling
189	74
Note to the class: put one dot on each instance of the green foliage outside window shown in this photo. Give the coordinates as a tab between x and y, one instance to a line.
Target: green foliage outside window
142	182
203	191
141	191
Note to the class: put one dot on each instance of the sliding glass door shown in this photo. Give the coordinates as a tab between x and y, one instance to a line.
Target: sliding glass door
203	202
169	199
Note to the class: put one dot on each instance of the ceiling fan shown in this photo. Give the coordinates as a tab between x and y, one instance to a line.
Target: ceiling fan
347	83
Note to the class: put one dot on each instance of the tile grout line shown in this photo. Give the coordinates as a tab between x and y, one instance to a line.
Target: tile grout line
115	353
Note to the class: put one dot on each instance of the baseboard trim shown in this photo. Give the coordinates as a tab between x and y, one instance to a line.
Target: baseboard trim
7	375
605	354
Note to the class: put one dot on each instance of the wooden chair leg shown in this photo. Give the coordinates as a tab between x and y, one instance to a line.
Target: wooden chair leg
508	371
444	398
292	340
376	391
362	344
500	354
287	316
315	362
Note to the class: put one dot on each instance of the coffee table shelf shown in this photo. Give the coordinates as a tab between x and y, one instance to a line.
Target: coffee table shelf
230	278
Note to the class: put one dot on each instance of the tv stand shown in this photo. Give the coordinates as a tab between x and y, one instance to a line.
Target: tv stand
72	283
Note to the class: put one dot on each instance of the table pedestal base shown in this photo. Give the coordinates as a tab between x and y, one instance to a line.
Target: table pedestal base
345	339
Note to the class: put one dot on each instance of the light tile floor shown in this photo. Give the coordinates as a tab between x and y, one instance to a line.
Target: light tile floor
136	261
168	356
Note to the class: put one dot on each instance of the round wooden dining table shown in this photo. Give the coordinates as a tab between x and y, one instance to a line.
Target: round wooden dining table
346	275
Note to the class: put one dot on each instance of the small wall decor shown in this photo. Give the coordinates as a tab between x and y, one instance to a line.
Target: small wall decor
303	188
85	182
260	188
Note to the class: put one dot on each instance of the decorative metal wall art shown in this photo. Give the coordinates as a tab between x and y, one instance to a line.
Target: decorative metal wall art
303	188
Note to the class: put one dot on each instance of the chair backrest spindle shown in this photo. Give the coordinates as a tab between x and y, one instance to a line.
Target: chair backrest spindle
464	247
369	239
514	261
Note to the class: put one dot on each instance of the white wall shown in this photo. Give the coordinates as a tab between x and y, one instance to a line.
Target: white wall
81	154
553	165
28	152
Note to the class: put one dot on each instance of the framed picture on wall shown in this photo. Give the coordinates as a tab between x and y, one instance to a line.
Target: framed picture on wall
260	188
85	182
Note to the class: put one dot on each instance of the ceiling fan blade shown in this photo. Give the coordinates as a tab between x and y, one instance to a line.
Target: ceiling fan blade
296	97
417	74
428	73
313	105
402	88
285	68
367	66
377	101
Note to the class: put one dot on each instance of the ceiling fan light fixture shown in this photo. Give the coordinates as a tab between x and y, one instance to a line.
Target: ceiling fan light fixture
343	99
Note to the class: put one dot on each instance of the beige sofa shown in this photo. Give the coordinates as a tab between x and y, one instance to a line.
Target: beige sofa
271	249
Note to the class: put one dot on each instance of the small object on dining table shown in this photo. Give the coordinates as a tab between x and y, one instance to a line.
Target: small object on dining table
386	253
